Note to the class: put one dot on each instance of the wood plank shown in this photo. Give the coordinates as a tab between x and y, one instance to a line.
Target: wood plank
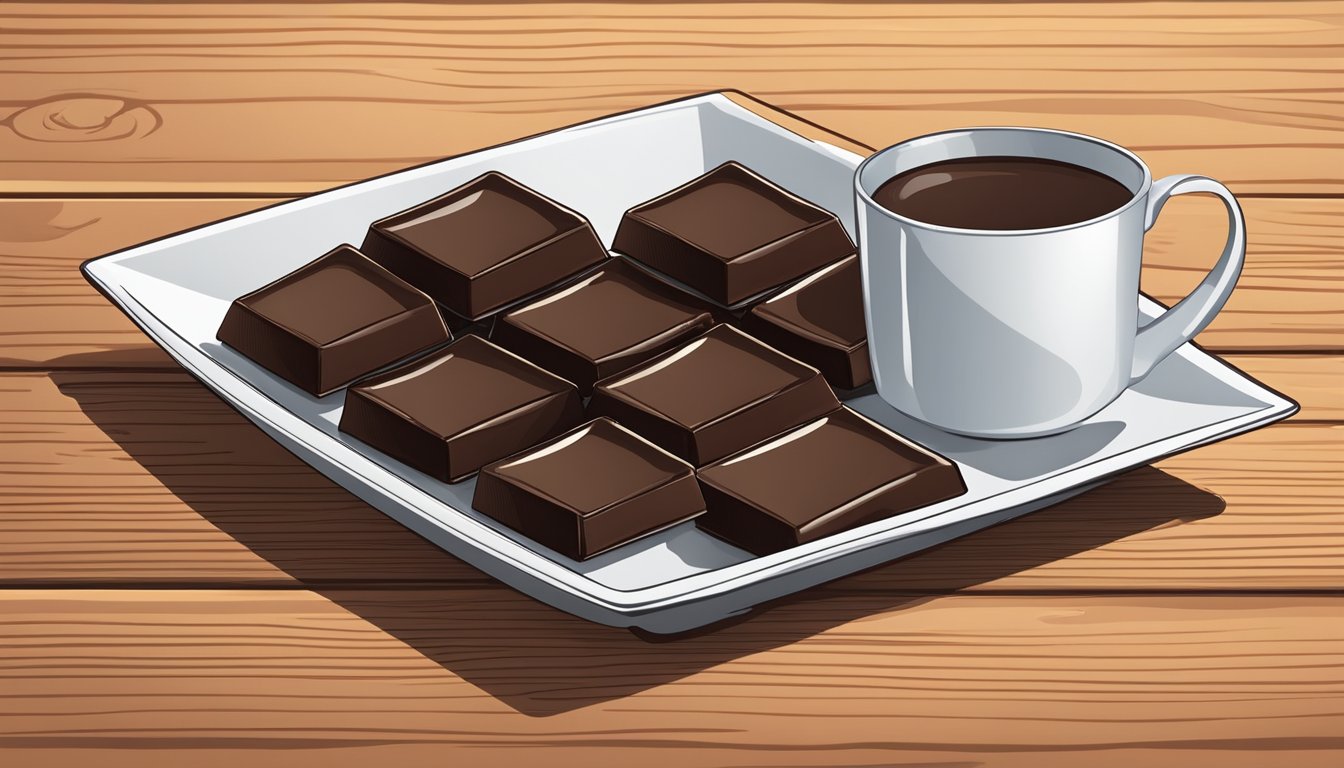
488	678
1316	382
358	641
1287	297
1291	286
52	317
128	478
132	97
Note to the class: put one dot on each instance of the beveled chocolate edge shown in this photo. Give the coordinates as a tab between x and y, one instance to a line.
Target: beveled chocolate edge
821	214
387	321
579	227
382	332
665	526
557	242
760	308
763	343
527	345
429	301
784	531
733	328
908	442
370	380
688	475
790	242
243	314
408	315
664	289
550	499
398	363
719	309
848	371
939	461
827	219
824	217
631	221
379	226
488	319
784	326
361	399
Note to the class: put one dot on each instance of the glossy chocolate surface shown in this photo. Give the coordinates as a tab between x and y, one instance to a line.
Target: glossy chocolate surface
460	409
714	395
731	234
486	244
832	474
820	321
605	323
332	321
594	488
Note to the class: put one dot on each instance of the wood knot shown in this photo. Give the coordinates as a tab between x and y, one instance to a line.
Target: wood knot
85	118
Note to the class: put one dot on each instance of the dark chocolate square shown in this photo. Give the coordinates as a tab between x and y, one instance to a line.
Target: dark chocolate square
607	322
460	409
819	321
332	321
731	235
830	475
486	244
714	396
590	490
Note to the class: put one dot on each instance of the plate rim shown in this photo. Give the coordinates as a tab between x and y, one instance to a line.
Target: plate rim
630	604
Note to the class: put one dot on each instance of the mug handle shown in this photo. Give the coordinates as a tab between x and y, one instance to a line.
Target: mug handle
1161	336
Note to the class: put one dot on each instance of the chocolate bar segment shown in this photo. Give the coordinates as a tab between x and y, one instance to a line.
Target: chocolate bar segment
820	321
731	235
486	244
608	321
332	321
590	490
830	475
460	409
714	396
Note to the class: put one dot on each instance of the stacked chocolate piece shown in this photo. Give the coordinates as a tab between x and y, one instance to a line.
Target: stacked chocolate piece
709	352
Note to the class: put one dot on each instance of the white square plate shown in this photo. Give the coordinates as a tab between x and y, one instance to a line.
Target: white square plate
177	290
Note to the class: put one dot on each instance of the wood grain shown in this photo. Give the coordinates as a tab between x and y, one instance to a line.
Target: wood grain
487	677
123	478
181	591
1316	382
1289	296
291	97
52	317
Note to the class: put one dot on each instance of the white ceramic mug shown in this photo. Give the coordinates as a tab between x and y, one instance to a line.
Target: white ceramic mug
1022	333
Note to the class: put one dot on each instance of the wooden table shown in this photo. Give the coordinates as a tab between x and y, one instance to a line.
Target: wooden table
177	590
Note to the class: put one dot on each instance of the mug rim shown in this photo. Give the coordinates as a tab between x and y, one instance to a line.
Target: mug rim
867	199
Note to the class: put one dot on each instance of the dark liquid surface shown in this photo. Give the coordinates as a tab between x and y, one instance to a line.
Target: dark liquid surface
1001	193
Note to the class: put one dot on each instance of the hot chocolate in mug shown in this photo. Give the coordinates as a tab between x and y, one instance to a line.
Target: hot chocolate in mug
985	329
